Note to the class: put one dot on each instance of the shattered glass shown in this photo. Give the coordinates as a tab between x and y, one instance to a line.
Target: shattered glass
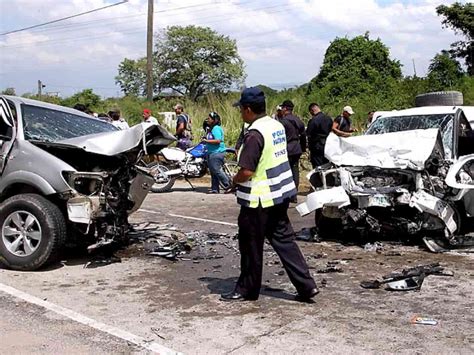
406	123
47	125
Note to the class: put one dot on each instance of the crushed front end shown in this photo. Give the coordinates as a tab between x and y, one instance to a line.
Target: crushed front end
388	194
106	181
102	201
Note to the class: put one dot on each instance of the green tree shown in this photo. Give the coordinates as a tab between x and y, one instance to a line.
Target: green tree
132	76
191	60
444	71
460	17
8	91
86	97
355	66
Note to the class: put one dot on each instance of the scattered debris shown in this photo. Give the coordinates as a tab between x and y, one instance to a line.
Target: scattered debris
393	253
330	268
101	260
164	240
155	331
308	235
407	279
377	247
423	321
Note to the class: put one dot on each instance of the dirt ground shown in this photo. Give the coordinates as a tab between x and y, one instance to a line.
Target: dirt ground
176	303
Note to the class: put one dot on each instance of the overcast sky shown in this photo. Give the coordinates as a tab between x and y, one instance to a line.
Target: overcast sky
282	42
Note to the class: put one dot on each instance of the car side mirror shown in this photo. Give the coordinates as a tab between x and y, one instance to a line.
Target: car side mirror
461	173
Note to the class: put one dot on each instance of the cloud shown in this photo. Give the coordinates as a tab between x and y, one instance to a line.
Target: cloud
273	37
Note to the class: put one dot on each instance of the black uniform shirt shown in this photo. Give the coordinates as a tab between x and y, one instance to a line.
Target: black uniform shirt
295	134
319	127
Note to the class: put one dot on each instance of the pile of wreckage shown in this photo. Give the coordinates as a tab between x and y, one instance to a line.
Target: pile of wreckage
409	183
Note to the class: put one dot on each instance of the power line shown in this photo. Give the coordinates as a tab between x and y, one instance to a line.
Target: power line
103	21
62	19
134	30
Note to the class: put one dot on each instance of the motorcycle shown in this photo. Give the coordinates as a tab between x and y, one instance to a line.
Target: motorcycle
175	163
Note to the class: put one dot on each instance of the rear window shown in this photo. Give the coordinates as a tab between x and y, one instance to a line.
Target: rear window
47	125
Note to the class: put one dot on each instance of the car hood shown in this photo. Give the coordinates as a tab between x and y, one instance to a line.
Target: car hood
118	142
402	150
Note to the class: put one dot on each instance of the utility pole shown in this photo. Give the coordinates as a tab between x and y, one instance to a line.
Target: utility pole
414	67
149	53
40	88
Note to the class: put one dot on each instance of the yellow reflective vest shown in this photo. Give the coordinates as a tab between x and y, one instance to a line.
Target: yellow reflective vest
272	181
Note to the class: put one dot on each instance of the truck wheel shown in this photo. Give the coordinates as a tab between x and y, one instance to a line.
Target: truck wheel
440	98
33	231
162	183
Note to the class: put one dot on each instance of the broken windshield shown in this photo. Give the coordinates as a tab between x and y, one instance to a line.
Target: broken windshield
47	125
407	123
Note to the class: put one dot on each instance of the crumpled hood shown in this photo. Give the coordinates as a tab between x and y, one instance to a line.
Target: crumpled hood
117	142
402	150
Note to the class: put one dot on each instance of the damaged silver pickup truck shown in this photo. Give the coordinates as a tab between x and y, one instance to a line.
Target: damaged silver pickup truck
65	174
412	174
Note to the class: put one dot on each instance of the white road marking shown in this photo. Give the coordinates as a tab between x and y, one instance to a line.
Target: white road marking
77	317
193	218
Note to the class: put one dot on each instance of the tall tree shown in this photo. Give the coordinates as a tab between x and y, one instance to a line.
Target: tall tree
8	91
191	60
444	71
460	17
355	66
86	97
132	76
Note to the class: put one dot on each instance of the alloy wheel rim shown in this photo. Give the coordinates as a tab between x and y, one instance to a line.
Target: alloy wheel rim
21	233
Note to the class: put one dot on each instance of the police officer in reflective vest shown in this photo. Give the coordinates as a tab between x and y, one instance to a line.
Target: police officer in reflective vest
264	186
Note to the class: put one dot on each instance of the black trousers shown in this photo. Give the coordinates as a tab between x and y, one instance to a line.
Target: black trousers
317	158
254	225
294	161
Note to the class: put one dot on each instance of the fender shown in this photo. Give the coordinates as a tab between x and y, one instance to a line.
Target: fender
27	178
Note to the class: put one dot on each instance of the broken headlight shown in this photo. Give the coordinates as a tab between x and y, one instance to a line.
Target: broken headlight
86	183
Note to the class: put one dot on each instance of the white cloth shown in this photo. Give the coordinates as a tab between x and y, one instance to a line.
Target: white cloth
121	124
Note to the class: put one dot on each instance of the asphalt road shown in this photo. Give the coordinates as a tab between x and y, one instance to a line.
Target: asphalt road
176	304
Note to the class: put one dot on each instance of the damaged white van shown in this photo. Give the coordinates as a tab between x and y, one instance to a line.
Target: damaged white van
412	173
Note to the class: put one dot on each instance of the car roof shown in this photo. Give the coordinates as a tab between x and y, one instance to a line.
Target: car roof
430	110
425	110
24	100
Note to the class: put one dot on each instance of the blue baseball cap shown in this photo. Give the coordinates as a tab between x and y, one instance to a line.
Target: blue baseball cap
251	95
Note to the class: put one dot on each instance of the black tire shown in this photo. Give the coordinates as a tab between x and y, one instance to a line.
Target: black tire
440	98
53	231
161	185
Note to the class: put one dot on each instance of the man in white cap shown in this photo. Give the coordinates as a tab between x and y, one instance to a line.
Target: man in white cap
342	125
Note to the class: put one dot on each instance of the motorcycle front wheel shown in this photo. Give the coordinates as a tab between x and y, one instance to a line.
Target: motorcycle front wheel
163	183
230	168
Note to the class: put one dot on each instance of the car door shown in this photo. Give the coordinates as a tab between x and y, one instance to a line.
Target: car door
7	130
